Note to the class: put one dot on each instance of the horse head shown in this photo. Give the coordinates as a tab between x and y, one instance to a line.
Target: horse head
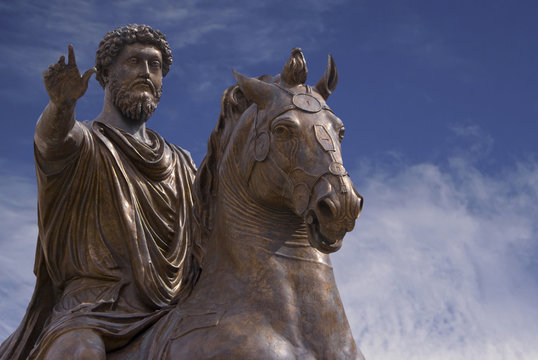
286	148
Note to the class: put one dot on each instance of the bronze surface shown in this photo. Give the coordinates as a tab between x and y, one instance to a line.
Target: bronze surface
274	199
136	259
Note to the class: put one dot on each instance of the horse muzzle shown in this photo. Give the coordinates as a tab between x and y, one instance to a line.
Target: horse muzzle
333	208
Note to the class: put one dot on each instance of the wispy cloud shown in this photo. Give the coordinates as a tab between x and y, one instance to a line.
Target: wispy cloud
412	36
17	249
443	262
208	39
243	35
478	143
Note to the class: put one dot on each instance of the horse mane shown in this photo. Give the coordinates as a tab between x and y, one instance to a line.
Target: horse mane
233	105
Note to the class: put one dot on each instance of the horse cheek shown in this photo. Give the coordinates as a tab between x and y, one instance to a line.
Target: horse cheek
261	147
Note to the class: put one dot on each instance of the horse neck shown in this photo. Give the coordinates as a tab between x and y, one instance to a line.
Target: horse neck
249	238
260	259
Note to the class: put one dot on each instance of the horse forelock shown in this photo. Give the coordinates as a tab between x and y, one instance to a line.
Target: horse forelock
295	70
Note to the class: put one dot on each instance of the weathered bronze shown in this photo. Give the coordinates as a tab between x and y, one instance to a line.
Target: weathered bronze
114	207
274	198
123	228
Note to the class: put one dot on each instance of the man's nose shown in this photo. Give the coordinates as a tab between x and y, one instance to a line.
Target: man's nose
144	69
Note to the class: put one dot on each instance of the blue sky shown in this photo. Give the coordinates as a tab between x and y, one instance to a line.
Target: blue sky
439	100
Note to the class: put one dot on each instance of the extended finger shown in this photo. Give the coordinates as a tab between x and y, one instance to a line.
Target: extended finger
88	74
71	56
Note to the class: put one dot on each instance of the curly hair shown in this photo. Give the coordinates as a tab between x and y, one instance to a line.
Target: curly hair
115	40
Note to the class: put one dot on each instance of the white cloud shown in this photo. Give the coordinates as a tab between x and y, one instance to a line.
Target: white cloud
443	263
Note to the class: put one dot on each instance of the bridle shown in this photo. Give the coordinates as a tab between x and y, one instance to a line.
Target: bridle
301	182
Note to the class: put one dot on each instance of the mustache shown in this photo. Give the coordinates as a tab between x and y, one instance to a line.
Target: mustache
145	82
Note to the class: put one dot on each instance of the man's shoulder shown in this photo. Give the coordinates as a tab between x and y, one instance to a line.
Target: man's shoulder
184	155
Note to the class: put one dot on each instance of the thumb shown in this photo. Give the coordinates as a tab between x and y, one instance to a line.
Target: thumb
88	74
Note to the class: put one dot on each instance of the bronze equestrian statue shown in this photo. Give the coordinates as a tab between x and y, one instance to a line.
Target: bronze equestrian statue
123	230
275	199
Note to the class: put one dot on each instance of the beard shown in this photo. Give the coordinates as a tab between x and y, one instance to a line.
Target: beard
134	106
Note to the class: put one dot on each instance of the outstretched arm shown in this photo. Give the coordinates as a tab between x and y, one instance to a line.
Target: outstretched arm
56	130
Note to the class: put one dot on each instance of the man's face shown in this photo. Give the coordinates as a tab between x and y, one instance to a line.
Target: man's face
135	81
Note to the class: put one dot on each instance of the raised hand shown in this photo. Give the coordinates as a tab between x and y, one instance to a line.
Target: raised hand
63	81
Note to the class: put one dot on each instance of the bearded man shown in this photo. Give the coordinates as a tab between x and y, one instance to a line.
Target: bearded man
116	239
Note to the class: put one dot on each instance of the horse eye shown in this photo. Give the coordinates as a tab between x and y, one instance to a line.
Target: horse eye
281	131
341	134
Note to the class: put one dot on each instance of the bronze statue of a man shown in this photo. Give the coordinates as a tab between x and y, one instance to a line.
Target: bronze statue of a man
115	238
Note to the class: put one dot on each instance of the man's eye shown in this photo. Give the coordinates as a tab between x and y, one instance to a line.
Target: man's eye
156	64
132	60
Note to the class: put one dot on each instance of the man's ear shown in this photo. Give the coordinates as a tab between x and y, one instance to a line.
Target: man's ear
104	75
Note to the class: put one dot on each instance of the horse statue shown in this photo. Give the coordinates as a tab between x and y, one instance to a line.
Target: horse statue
275	199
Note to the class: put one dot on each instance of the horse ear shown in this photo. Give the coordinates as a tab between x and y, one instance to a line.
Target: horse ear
328	81
255	90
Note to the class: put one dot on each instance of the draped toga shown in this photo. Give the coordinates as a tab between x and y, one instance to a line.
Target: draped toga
115	241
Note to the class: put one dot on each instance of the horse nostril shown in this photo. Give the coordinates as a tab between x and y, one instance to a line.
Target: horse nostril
326	208
360	200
